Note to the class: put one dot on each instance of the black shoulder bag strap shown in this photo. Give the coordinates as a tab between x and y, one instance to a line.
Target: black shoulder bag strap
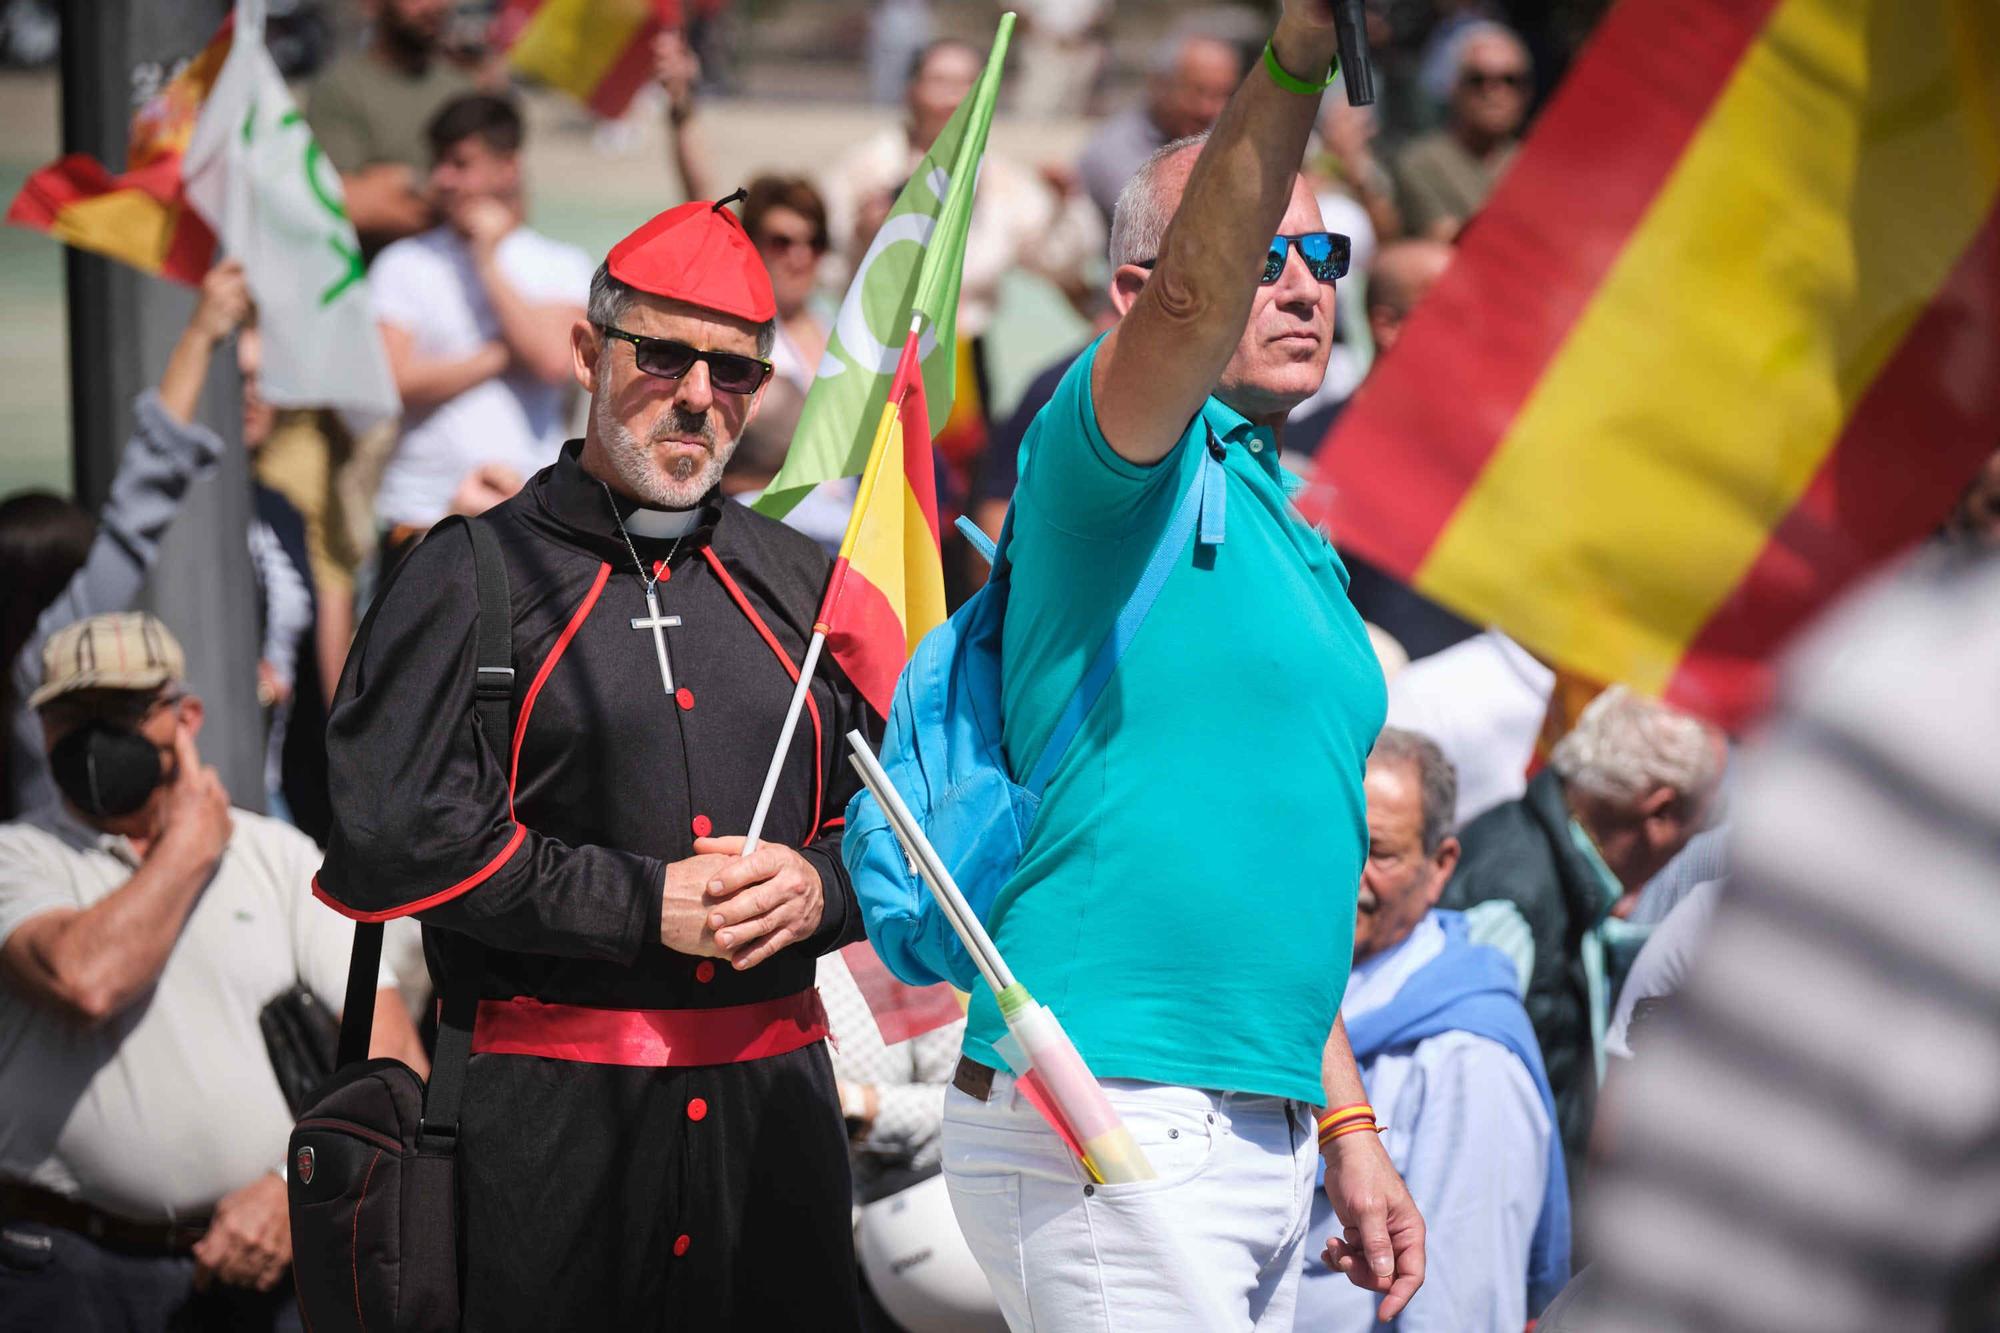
493	703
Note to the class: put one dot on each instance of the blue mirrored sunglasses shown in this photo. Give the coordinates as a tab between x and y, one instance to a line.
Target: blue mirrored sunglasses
1325	254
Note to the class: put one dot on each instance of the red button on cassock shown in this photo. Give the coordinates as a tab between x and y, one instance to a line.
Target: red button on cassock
704	971
702	826
680	1245
697	1109
684	697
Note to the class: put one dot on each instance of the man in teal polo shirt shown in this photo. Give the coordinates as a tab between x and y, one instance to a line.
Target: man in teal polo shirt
1186	900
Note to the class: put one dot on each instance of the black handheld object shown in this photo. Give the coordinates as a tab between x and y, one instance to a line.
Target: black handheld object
1351	28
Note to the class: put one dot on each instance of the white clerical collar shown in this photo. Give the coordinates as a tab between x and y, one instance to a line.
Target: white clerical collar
660	524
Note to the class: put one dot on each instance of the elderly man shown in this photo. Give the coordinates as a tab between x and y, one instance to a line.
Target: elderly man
651	1135
1195	947
1190	80
144	926
1625	790
1450	1059
1444	177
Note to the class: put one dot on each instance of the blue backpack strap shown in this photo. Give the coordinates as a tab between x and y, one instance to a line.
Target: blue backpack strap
1200	498
978	540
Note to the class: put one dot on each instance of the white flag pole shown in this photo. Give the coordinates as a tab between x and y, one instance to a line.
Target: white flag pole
799	692
869	475
971	932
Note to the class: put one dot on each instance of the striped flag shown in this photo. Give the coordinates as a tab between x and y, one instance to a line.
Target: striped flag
1722	341
598	51
877	404
887	589
139	217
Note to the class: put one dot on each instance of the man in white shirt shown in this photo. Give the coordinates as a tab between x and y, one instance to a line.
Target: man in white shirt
475	315
144	925
1453	1073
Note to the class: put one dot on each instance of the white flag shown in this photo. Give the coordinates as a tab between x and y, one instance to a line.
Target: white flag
255	174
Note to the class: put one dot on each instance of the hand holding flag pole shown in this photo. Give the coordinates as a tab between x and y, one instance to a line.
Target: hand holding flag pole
1050	1072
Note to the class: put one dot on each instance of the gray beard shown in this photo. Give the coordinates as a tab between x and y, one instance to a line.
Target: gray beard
679	485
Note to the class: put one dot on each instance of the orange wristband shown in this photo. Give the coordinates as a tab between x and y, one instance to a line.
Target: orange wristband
1355	1128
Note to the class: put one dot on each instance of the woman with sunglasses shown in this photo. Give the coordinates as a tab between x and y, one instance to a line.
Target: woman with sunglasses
1444	177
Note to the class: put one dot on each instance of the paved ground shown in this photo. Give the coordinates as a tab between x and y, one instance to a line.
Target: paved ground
579	194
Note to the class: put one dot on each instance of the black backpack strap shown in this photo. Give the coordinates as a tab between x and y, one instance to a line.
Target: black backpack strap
357	1015
493	708
493	704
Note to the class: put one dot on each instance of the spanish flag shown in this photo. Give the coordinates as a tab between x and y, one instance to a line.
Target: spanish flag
1723	339
887	588
140	217
598	51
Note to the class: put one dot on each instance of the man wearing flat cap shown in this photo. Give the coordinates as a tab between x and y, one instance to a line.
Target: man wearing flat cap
650	1133
144	927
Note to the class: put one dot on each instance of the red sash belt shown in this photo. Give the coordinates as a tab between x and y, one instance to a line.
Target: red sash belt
649	1037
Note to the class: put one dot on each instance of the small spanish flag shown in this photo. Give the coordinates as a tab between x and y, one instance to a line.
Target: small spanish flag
1722	341
139	217
598	51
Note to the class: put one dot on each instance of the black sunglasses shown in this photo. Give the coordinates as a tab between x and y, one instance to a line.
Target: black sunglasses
1479	80
669	359
1325	254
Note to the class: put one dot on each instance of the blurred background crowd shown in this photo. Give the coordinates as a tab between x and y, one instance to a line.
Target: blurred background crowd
1593	864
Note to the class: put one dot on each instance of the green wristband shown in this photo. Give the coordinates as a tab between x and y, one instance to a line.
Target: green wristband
1283	77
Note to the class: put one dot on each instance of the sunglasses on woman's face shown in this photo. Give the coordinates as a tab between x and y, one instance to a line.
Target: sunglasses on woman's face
669	359
1325	254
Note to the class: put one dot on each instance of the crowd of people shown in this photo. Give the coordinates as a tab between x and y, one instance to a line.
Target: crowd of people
1455	1085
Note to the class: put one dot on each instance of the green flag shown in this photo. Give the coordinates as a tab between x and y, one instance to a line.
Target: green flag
911	271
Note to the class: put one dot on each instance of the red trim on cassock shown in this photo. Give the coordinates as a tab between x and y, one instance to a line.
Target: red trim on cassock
487	871
465	885
1915	438
649	1038
791	669
576	620
1404	456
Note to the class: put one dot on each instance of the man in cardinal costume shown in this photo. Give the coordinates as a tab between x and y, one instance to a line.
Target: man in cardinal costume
651	1136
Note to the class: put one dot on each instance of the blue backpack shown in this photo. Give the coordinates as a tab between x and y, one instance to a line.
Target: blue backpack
941	748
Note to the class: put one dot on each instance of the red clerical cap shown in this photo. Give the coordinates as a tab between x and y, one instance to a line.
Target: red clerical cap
700	254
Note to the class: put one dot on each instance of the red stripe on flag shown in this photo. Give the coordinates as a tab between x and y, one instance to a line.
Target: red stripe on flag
919	459
627	75
190	251
1405	455
1915	439
901	1011
867	637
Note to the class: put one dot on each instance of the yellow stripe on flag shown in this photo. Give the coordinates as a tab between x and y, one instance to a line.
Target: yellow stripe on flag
572	44
129	226
1822	203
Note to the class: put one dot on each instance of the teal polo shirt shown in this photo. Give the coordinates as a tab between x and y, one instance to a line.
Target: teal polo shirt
1185	903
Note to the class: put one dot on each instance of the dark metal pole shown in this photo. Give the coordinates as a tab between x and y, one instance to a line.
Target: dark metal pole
122	325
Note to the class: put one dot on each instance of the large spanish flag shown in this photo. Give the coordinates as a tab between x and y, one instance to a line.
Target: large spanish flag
139	217
1724	338
598	51
859	419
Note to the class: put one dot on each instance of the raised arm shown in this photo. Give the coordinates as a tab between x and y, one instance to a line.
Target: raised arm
534	333
1154	372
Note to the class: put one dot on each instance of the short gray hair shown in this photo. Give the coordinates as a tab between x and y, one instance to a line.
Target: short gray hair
1624	746
1437	780
610	299
1140	217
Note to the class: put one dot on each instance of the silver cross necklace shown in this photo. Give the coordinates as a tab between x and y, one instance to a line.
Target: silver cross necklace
652	620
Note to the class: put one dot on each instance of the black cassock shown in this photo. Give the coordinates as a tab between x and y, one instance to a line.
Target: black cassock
602	1188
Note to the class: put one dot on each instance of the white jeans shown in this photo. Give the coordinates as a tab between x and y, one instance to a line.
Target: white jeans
1212	1244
